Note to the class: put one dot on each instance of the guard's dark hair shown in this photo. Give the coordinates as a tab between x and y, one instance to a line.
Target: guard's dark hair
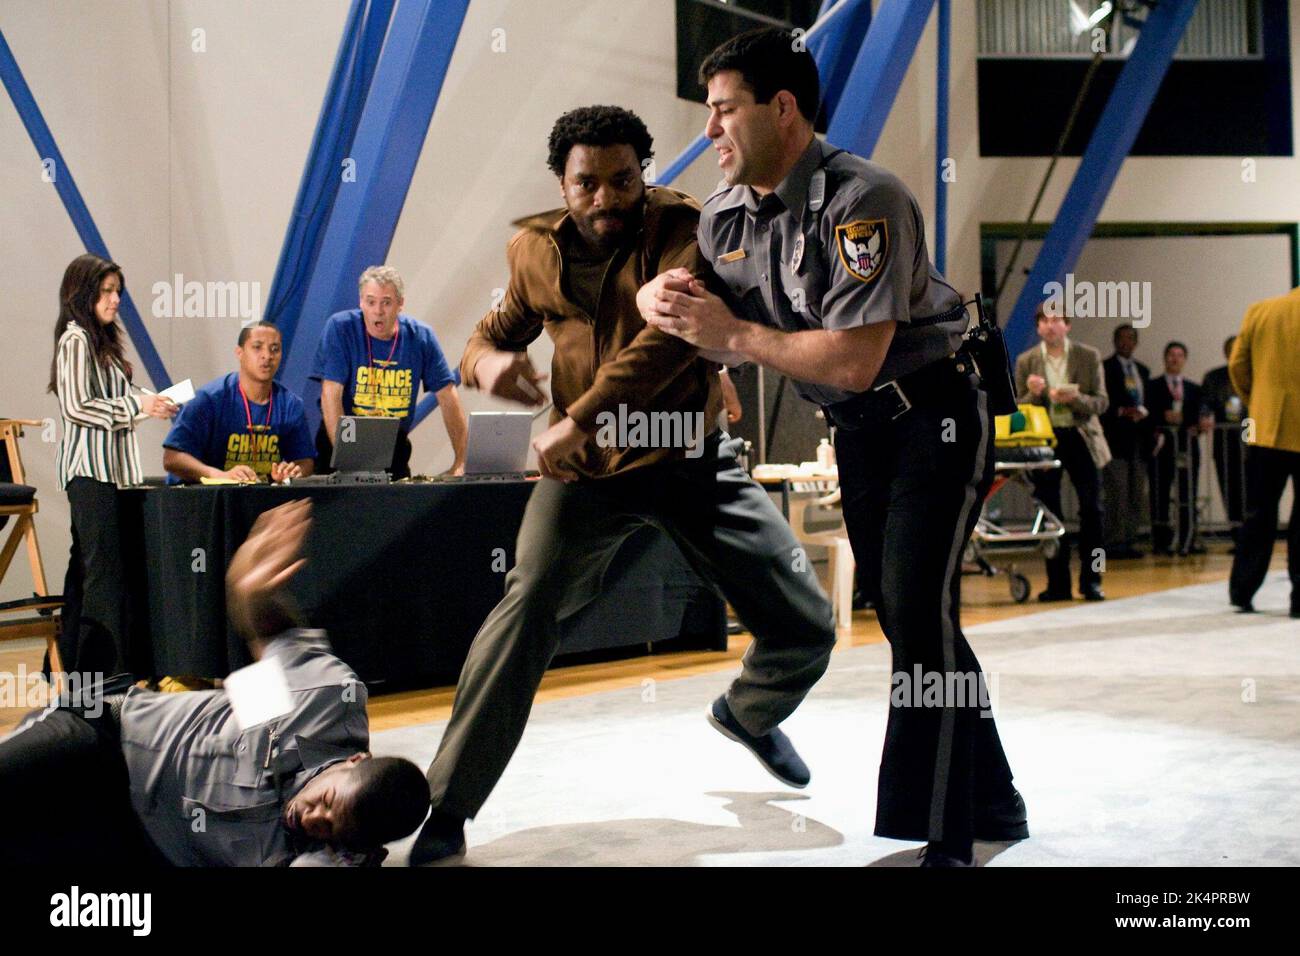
1126	327
769	60
392	799
597	126
78	296
1227	343
247	330
1175	344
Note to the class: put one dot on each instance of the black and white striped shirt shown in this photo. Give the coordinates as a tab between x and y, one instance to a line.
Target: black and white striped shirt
99	415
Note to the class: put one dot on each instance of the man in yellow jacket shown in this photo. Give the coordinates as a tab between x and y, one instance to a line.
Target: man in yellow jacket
1265	370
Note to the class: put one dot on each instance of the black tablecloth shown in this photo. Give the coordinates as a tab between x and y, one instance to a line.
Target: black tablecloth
401	576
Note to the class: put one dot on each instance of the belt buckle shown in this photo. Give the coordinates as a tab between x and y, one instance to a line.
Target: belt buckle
904	404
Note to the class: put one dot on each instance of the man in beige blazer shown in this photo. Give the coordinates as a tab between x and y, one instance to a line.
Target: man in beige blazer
1065	377
1265	371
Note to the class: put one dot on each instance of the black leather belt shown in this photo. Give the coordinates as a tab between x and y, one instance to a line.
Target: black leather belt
892	400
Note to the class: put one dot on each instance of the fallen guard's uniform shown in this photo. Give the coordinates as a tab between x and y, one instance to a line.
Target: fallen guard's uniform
840	243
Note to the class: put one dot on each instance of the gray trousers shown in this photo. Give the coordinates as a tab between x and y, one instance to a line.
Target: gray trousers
729	531
1125	484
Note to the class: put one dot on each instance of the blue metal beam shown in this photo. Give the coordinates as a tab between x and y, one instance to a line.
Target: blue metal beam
941	138
1117	129
877	73
389	138
66	186
835	47
322	176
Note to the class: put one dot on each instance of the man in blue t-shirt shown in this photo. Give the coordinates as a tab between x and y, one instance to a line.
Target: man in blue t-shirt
372	360
245	425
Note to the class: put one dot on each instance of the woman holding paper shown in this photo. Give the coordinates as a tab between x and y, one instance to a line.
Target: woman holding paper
98	454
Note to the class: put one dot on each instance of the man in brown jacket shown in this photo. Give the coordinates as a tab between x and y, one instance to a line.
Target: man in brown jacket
1066	377
627	446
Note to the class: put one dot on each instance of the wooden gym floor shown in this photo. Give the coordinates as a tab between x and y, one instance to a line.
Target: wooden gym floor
984	599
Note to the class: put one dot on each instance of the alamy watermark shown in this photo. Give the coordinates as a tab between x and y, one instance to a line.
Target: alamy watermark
206	300
77	689
1082	299
637	429
922	688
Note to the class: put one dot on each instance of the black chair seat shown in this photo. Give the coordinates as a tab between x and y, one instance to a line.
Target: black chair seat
12	495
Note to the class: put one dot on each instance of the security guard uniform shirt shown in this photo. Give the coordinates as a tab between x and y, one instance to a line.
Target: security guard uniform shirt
862	259
211	794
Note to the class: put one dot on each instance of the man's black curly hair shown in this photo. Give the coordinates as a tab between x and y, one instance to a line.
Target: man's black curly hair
597	126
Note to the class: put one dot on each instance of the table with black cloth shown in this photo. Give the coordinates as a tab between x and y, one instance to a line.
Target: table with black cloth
400	575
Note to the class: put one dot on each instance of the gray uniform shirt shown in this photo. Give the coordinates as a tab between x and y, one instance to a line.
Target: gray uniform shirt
864	262
210	794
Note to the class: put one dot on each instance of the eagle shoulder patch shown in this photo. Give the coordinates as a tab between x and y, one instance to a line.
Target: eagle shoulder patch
863	245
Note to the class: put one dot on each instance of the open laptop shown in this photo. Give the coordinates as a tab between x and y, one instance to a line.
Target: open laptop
365	445
498	444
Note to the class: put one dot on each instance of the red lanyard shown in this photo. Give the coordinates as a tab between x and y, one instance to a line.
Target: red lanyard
370	358
248	412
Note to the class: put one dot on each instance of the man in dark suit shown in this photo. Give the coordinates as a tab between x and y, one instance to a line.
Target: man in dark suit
1179	416
1127	425
1222	400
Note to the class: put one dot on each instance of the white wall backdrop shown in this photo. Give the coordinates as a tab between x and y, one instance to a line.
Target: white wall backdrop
189	162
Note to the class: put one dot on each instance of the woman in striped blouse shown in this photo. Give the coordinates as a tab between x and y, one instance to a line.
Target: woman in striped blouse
97	455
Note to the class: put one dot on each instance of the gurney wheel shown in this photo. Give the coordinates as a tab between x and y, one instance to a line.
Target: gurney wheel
1019	588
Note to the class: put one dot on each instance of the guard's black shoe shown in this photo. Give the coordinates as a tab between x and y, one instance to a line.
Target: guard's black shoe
1003	822
773	750
933	857
1244	607
442	836
1052	594
1093	592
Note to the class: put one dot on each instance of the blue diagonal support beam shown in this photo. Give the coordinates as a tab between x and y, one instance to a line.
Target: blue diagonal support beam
878	71
322	176
386	148
1116	131
66	187
835	48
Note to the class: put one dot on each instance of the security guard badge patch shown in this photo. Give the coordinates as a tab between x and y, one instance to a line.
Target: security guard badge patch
863	245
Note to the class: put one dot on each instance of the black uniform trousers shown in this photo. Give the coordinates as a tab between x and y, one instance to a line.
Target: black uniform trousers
65	793
1076	461
1267	471
93	622
912	489
727	528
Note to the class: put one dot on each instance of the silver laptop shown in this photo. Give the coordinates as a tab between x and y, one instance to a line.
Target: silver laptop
498	443
364	444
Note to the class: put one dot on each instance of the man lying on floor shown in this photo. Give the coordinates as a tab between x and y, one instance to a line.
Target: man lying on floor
143	778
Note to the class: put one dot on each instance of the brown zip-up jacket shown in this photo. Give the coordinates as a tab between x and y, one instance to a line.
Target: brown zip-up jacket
613	358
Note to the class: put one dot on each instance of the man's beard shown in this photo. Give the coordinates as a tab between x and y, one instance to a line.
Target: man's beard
608	242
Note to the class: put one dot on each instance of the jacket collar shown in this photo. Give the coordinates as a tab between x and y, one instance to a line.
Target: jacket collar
556	221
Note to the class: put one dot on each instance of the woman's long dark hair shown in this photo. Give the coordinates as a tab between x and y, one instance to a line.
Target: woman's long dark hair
78	294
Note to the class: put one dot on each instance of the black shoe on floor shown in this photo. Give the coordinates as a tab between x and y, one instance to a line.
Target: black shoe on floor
1054	595
773	750
441	837
933	857
1004	822
1092	592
